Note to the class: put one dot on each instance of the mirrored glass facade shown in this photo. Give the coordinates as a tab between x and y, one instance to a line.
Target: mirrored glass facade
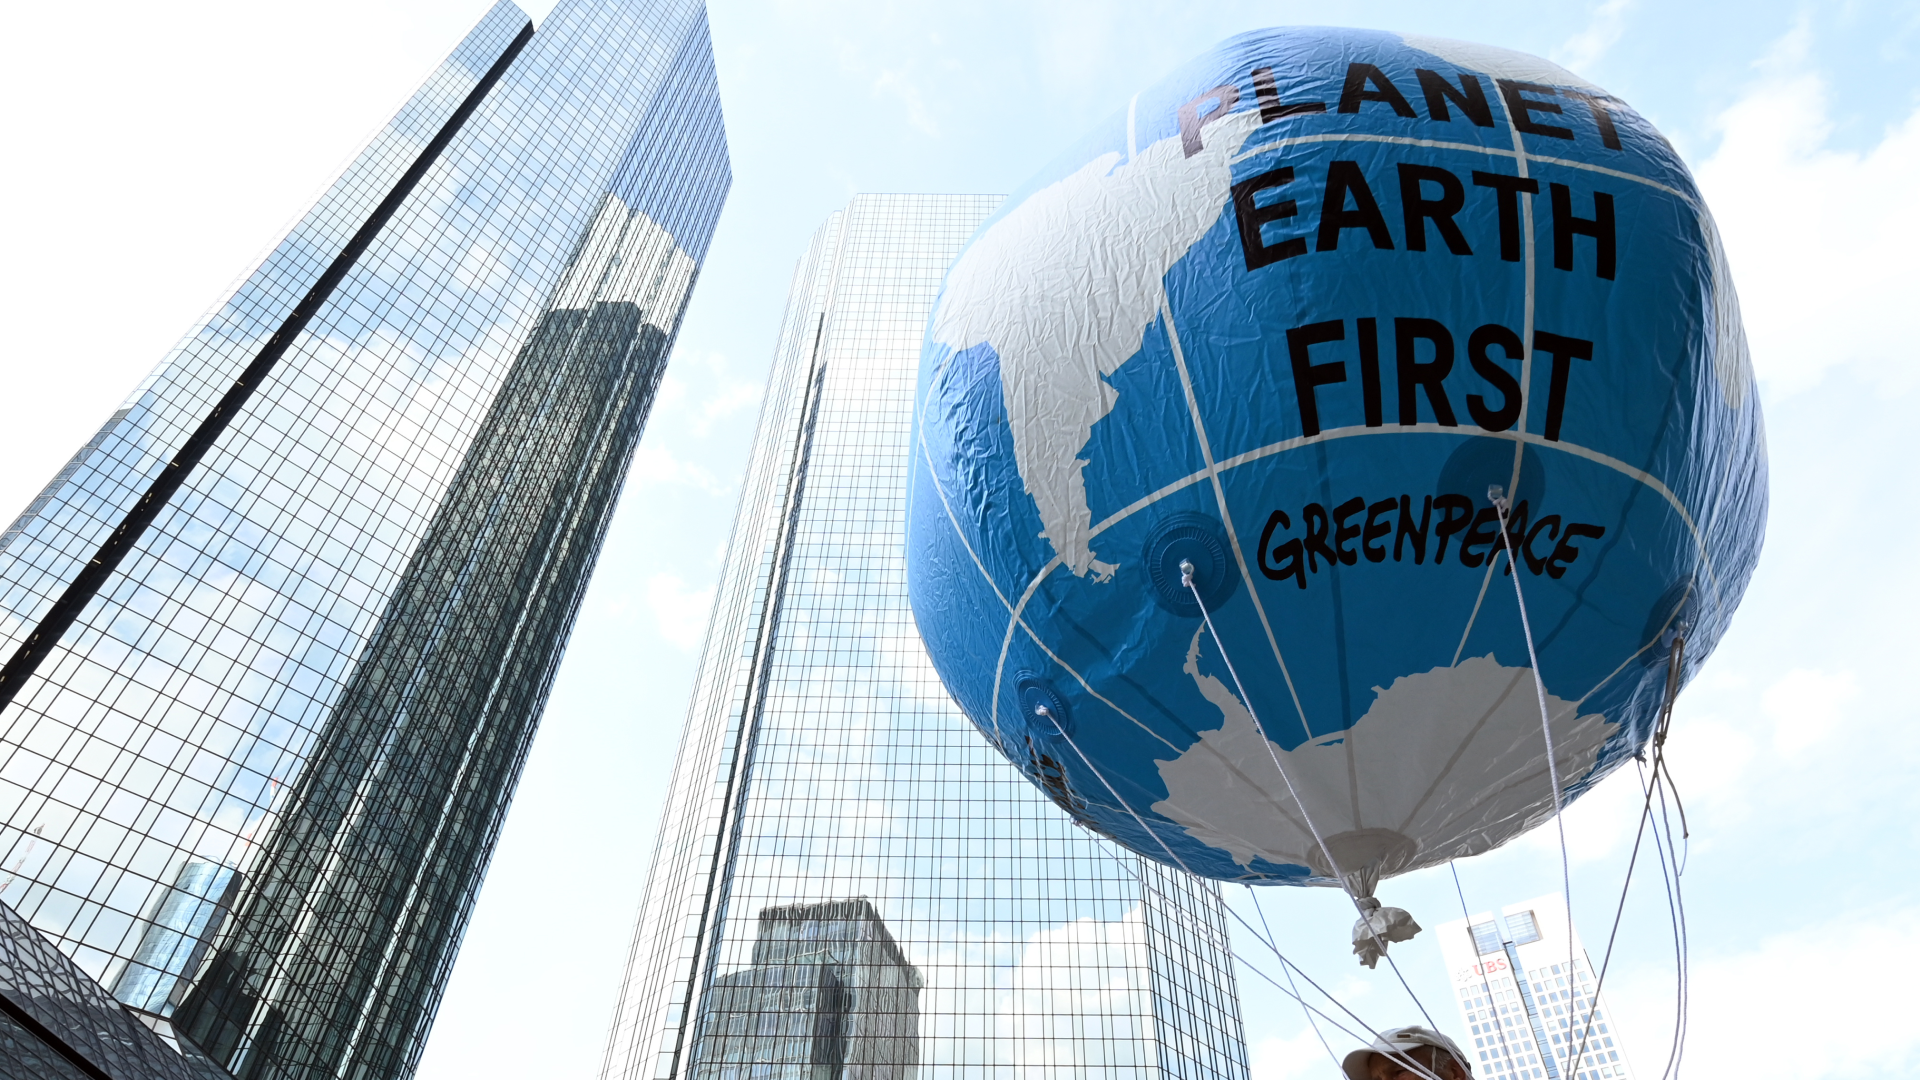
849	881
252	786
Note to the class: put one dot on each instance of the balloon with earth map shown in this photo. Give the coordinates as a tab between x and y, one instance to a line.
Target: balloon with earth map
1288	317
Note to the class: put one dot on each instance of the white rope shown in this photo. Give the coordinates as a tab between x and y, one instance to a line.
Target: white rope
1254	896
1186	578
1677	907
1675	657
1500	1022
1286	965
1677	912
1495	494
1292	968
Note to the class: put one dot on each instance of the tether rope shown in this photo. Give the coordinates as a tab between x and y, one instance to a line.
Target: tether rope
1498	498
1677	913
1675	658
1668	850
1254	897
1287	965
1499	1022
1186	578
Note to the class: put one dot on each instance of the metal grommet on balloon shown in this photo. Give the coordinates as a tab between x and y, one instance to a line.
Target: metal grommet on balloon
1673	615
1196	539
1042	705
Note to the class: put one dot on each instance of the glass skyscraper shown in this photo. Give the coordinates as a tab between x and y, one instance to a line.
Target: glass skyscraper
849	881
277	638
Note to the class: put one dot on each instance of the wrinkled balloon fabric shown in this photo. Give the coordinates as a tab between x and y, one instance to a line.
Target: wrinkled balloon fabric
1287	318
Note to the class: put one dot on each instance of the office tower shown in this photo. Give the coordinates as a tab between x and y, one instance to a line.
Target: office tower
1528	997
277	638
828	994
825	779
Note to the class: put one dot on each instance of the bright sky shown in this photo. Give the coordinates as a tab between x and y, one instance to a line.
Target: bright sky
156	149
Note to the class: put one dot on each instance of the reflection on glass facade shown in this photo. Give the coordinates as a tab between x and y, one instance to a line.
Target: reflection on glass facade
56	1023
176	937
849	882
829	994
254	787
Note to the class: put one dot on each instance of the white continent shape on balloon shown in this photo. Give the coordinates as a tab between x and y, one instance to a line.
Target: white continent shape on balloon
1062	289
1453	756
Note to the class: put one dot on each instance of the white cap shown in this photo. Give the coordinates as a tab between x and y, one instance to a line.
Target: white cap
1400	1040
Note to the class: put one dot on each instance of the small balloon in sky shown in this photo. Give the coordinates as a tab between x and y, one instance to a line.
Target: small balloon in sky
1331	337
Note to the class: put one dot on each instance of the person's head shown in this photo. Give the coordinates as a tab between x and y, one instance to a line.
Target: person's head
1397	1067
1394	1055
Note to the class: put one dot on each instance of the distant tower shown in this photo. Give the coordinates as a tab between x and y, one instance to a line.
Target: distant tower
1524	1004
823	759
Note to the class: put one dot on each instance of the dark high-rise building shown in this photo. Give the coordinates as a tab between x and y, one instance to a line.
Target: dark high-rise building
828	995
823	759
276	640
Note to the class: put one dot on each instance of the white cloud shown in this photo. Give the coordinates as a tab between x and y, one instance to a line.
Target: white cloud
671	395
1820	239
896	85
1071	979
1584	49
1284	1059
1805	706
699	390
1764	1013
728	399
1597	823
679	612
655	464
1710	758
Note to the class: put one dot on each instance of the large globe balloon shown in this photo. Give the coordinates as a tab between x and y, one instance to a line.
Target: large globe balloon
1291	317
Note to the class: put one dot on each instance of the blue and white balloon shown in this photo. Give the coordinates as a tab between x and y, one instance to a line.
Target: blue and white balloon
1292	316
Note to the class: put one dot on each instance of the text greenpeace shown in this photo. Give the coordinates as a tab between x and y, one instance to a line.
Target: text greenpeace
1362	528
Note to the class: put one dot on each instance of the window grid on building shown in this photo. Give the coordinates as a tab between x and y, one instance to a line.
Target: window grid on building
255	786
823	763
1529	998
